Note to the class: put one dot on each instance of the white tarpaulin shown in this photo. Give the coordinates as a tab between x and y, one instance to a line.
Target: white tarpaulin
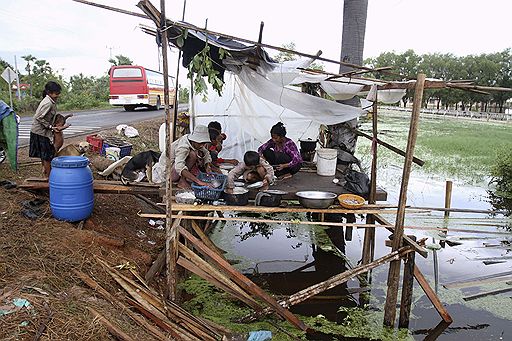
251	104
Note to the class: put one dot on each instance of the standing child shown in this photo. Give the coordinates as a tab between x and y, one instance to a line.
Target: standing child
43	127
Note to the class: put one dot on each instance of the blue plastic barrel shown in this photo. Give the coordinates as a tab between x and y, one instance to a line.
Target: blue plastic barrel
71	188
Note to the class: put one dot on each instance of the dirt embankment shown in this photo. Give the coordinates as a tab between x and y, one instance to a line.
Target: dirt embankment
37	257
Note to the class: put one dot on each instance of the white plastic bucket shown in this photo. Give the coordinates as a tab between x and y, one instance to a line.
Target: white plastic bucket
326	161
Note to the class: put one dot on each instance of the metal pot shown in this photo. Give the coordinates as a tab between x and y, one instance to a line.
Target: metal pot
316	199
308	145
239	197
269	198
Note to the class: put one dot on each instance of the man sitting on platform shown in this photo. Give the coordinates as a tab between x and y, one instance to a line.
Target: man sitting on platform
189	156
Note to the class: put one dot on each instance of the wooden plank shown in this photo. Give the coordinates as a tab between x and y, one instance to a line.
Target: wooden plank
243	281
407	240
219	276
407	290
394	267
487	293
157	266
111	327
187	264
362	225
98	188
432	295
109	297
288	209
477	280
205	238
448	198
150	203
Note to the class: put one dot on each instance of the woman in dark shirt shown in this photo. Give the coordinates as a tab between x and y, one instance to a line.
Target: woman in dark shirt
281	152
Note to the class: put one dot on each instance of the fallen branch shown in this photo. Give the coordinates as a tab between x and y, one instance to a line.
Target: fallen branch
112	328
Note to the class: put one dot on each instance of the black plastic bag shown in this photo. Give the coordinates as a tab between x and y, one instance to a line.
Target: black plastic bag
357	183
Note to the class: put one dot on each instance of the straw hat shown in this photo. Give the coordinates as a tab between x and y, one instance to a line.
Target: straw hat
200	135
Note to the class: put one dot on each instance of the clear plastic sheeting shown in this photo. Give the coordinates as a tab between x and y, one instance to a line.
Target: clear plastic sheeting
251	104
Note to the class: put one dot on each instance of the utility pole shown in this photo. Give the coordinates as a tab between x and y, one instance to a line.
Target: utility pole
17	76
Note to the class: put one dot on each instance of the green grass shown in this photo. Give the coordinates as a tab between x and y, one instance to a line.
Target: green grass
459	148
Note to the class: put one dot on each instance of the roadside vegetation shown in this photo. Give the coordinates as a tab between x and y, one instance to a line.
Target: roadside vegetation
80	92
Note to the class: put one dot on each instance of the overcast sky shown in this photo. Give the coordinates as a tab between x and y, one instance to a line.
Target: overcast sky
77	38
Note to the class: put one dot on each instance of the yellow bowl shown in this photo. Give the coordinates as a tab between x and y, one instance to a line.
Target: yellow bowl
351	201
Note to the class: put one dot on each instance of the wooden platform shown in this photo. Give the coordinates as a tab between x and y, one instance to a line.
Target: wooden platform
309	181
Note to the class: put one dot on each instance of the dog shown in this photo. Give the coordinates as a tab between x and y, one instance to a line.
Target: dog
141	162
73	150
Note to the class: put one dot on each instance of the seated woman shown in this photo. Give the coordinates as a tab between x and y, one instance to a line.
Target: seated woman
281	152
215	146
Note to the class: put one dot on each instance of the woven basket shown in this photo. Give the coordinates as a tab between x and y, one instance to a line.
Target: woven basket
351	201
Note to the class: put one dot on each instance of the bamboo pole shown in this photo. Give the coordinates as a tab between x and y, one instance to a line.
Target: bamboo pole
390	227
448	198
183	25
342	278
369	233
176	94
171	232
417	161
394	267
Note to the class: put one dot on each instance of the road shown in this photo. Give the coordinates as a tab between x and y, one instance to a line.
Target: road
85	122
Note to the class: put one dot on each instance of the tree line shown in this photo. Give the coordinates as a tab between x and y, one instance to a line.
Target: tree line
486	69
80	92
491	69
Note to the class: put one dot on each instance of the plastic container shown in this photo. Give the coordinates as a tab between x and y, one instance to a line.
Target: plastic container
71	188
208	193
326	161
95	143
125	147
113	153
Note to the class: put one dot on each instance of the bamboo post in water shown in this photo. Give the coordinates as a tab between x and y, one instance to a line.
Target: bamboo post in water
369	234
448	198
407	289
394	267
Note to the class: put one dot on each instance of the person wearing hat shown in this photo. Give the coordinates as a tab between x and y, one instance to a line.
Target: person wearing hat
189	155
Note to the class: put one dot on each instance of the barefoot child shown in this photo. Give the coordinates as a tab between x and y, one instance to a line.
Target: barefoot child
253	168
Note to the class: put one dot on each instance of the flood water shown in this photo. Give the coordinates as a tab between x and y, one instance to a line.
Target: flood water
285	258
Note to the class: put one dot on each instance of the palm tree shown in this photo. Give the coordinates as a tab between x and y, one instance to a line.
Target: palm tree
352	45
29	58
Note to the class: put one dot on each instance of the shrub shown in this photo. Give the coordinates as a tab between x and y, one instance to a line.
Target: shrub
501	172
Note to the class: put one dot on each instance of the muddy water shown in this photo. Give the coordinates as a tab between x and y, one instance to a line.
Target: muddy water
286	258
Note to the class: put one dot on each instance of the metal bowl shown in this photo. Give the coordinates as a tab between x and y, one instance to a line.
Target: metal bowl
316	199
